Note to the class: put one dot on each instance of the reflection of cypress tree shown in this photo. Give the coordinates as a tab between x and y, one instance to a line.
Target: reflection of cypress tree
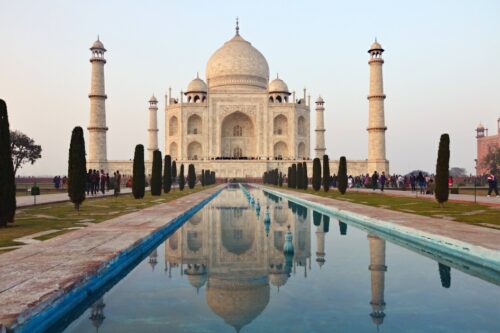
304	212
343	228
445	275
316	218
326	223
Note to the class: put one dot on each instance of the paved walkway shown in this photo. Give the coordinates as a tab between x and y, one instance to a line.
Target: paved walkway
27	200
32	277
486	237
453	197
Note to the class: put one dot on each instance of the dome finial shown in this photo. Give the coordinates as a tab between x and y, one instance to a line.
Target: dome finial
197	75
237	26
277	75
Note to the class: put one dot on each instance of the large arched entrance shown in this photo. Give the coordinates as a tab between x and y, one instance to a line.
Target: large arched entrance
238	136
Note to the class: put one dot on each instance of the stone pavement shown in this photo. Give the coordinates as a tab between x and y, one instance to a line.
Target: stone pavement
481	236
492	201
27	200
33	277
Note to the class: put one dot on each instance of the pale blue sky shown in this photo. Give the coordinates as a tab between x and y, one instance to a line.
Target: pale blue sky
442	71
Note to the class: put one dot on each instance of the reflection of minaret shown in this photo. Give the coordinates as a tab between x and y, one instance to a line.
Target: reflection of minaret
320	245
153	259
378	269
97	313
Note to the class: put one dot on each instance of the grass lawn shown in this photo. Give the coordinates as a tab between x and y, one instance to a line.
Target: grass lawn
61	216
456	211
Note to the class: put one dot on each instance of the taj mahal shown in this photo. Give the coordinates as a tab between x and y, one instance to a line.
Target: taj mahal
238	122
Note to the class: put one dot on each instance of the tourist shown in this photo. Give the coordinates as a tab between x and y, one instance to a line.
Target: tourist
118	179
88	182
431	187
349	181
375	180
421	182
57	182
95	182
107	182
103	182
382	181
64	182
492	183
412	183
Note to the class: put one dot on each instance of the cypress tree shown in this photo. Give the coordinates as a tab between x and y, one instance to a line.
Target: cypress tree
138	173
77	173
212	177
182	180
442	169
276	177
207	177
326	173
280	179
293	177
342	175
202	177
288	175
167	174
191	176
174	172
7	178
316	180
300	177
156	173
305	182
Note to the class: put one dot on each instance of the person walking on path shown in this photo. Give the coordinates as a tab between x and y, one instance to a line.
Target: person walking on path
88	183
375	180
107	182
421	182
118	179
412	183
382	181
492	184
103	182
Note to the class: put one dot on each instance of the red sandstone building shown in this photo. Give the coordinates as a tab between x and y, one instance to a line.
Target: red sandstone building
485	143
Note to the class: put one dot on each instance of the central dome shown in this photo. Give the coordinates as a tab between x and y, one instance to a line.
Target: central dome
237	63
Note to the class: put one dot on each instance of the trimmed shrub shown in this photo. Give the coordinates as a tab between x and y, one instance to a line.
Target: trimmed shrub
326	173
182	179
442	169
342	175
77	173
138	173
316	180
7	177
167	174
191	176
156	173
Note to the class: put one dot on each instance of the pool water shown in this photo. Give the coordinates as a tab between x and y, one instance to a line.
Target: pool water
225	270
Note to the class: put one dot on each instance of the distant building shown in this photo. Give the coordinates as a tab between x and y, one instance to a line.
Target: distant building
485	143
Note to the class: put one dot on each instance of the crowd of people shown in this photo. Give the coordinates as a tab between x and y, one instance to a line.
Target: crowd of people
99	181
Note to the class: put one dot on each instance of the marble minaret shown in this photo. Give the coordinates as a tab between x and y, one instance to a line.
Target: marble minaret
377	268
320	128
153	127
376	120
97	156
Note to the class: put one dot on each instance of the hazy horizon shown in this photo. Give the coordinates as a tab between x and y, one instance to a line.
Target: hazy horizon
441	71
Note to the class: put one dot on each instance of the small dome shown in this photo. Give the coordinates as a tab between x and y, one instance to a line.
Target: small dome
278	86
153	99
98	45
480	126
196	86
376	47
320	100
278	279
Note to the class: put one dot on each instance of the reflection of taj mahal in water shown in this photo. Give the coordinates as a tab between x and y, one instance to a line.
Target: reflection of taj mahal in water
238	260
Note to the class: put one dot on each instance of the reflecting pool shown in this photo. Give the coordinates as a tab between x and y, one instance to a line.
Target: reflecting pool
226	270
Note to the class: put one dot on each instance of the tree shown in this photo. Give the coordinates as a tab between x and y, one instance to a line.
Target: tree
156	173
138	173
77	164
167	174
458	172
288	176
191	176
442	170
280	179
305	182
326	173
23	150
174	172
342	175
182	179
293	177
316	180
7	178
207	177
300	177
492	161
212	177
